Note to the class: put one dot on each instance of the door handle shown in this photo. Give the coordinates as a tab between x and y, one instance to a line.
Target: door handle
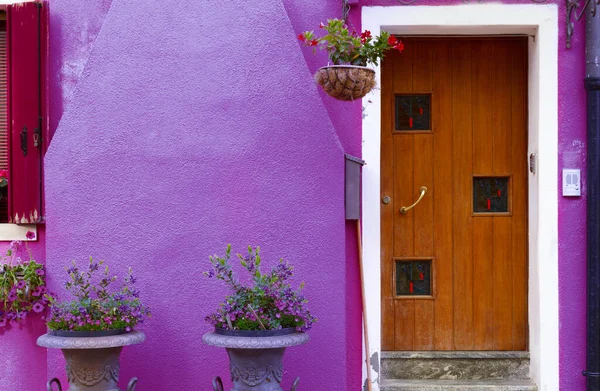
404	210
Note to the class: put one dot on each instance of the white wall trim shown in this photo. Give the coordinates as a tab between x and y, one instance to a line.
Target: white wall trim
10	232
541	23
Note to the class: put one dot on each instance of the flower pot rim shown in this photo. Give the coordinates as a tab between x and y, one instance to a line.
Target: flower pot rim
275	342
256	333
86	334
112	341
348	66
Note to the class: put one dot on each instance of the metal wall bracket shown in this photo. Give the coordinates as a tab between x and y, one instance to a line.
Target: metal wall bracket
346	7
575	12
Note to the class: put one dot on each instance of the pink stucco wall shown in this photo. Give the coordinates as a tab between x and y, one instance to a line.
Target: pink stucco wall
183	133
179	129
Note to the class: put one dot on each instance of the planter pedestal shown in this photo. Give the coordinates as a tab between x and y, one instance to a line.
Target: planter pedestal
92	362
255	362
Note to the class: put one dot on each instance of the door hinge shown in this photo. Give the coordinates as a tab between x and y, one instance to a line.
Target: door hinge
532	163
37	134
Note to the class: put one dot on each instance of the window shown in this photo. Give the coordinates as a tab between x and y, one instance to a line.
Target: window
491	195
23	118
413	277
413	112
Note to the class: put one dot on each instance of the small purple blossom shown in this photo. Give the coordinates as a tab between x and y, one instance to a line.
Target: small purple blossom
21	284
40	272
30	235
38	307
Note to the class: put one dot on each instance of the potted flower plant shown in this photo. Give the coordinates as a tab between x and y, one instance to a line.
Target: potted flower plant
92	327
349	78
257	321
22	284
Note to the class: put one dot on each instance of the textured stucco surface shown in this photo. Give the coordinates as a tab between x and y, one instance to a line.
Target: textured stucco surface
184	134
182	128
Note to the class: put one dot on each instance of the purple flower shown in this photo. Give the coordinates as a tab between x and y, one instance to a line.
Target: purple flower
37	292
21	284
12	296
72	270
30	235
40	272
38	307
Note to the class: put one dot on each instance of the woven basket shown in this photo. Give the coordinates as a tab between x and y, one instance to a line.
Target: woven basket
346	82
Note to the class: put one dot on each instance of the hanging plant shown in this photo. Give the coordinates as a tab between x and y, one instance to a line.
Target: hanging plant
22	284
349	78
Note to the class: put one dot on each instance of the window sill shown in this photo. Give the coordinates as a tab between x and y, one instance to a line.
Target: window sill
10	232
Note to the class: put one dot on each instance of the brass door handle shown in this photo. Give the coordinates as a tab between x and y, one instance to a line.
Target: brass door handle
404	210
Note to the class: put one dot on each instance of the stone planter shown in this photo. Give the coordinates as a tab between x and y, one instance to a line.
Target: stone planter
92	362
346	82
255	362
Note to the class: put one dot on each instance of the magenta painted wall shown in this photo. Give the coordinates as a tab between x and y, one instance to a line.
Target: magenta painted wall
179	129
184	129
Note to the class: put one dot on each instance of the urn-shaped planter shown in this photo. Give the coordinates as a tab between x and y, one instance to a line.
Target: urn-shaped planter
92	361
346	82
255	361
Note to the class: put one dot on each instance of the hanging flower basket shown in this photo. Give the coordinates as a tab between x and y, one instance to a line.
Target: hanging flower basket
346	82
349	78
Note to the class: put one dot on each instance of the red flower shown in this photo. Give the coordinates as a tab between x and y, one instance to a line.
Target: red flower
321	26
30	235
392	40
314	42
364	36
399	46
301	37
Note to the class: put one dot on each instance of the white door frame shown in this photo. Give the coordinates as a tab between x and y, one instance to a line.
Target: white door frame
540	23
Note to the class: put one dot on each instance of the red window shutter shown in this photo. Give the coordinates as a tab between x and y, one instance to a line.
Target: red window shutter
4	155
26	29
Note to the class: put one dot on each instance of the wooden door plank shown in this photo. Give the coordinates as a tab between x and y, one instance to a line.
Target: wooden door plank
519	166
423	212
405	324
462	170
442	196
387	211
502	245
483	300
403	195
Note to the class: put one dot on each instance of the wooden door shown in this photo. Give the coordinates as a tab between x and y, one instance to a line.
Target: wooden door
454	268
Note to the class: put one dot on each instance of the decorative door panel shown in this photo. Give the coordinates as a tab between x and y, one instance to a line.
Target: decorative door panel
454	235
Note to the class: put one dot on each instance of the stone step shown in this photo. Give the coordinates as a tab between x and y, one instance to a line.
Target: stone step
455	365
457	385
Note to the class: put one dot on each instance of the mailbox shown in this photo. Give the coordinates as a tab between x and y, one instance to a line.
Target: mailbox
352	186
